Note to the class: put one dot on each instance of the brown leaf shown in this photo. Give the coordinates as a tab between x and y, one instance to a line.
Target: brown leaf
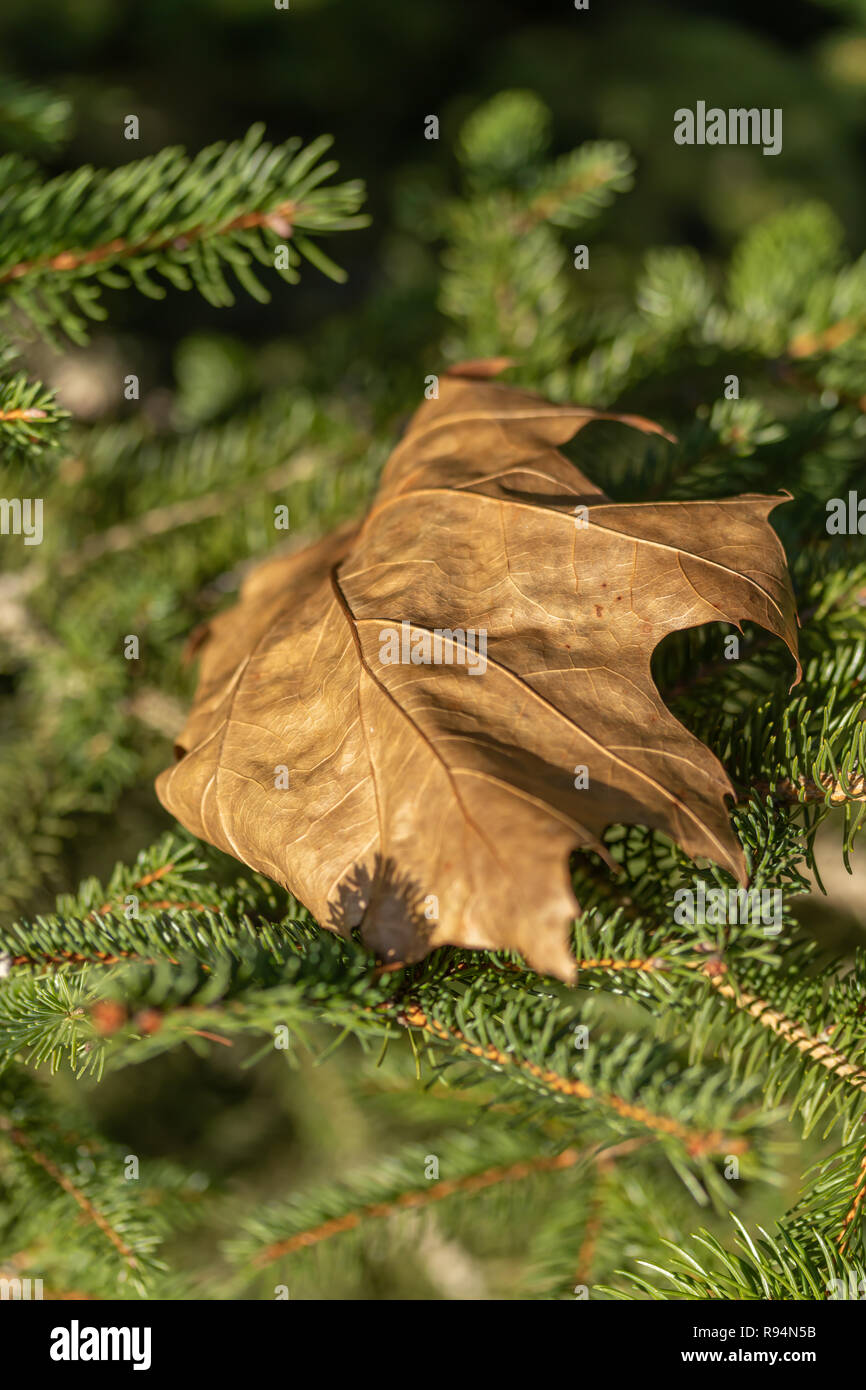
436	803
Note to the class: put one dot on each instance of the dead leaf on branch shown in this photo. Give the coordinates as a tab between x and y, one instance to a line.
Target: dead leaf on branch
431	795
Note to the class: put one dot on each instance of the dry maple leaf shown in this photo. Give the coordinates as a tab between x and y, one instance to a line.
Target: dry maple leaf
437	803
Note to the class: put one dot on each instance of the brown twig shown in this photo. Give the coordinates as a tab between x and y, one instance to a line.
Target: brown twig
697	1144
475	1182
806	790
20	414
116	957
211	1037
144	882
649	964
279	219
592	1228
49	1167
856	1205
787	1029
84	958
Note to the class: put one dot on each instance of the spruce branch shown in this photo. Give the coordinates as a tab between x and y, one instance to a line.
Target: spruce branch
816	1049
31	420
417	1198
763	1267
92	1213
474	1040
92	988
579	186
624	1203
185	219
398	1185
61	1176
505	278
